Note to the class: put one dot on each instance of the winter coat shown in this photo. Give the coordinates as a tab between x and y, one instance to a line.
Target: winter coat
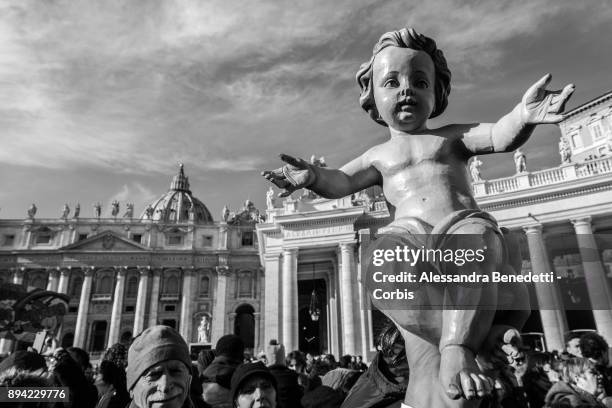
374	390
562	395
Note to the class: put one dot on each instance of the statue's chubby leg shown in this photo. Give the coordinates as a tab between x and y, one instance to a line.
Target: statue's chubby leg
468	309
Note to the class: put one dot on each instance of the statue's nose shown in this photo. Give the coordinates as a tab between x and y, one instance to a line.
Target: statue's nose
406	91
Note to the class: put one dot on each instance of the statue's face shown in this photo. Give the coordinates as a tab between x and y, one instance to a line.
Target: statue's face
403	81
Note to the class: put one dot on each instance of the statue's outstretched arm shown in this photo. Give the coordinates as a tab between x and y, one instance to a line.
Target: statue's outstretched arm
538	106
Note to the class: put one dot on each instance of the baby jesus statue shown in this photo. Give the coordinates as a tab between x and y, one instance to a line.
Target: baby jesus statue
425	179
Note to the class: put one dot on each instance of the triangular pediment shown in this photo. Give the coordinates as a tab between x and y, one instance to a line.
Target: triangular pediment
105	241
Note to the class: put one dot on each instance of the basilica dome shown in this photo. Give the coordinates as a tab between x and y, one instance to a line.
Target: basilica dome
177	204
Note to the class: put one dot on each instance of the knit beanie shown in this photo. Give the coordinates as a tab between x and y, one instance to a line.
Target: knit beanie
247	370
153	346
275	354
230	346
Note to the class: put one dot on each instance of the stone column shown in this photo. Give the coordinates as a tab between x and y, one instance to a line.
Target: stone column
115	322
271	299
52	282
141	300
81	323
595	277
346	262
186	324
218	322
290	299
64	279
332	325
550	303
154	303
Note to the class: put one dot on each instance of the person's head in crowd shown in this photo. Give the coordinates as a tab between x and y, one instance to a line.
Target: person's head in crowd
110	377
582	374
275	355
296	361
205	357
230	346
309	358
595	348
261	356
253	386
359	359
82	358
393	352
247	358
117	354
159	369
345	361
572	344
24	360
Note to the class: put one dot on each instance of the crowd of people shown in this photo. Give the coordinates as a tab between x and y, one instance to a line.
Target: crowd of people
156	369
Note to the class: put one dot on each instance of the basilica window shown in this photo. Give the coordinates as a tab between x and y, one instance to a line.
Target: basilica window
38	282
132	287
77	284
43	236
576	141
175	239
104	285
171	285
204	286
8	240
596	130
245	284
247	238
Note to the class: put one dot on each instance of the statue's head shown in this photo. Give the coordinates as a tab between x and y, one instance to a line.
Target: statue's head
404	64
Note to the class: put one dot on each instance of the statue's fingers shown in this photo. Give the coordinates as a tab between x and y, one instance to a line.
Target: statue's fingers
467	384
478	384
299	163
539	84
565	95
487	384
453	391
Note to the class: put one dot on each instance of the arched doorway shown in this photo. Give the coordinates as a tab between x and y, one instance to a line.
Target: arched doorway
244	325
312	333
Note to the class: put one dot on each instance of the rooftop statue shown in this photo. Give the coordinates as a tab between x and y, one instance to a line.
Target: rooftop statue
423	172
520	161
564	151
114	208
32	211
129	212
65	211
97	209
475	169
77	211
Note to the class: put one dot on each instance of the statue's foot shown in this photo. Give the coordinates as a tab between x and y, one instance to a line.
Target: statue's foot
460	376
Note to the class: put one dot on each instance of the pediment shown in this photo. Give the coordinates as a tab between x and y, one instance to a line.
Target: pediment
105	241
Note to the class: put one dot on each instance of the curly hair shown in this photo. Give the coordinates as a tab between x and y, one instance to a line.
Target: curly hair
405	38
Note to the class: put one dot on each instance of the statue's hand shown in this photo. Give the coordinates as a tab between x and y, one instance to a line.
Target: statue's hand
543	106
296	174
460	375
501	347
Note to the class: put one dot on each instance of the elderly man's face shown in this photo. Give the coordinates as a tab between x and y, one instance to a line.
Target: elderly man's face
256	392
165	385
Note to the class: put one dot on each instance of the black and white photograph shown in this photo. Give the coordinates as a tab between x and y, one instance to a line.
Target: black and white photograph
314	204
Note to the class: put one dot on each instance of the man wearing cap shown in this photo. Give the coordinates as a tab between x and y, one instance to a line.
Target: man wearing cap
253	386
159	370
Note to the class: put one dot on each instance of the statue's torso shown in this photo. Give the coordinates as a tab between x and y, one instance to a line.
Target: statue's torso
424	176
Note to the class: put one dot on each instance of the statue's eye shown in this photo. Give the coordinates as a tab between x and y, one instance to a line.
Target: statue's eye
391	83
422	84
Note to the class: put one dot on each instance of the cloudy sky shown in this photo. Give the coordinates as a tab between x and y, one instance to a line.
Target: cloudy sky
101	100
